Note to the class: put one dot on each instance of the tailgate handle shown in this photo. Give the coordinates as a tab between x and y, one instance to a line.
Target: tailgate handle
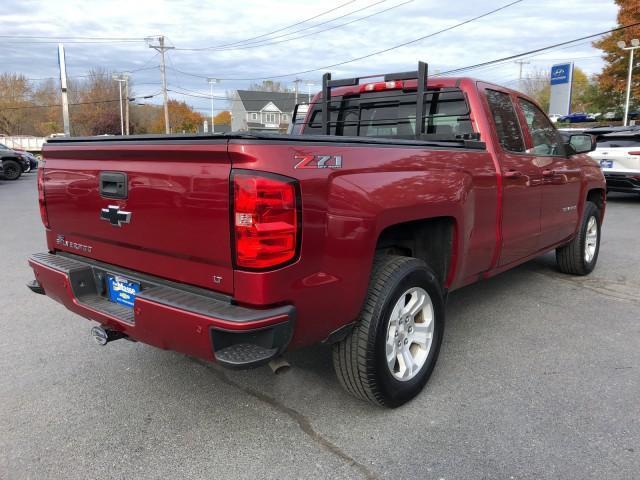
113	184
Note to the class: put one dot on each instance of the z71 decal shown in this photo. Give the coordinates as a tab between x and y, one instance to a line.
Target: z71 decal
318	161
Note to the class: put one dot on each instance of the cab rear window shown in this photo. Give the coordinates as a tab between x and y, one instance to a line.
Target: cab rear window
392	114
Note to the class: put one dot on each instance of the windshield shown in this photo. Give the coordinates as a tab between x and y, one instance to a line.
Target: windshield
3	147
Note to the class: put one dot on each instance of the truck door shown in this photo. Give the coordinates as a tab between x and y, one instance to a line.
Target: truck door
521	182
561	175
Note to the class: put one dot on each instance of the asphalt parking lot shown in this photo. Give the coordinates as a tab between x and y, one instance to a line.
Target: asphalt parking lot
539	377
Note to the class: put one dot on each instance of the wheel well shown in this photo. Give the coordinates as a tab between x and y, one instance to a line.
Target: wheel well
597	196
430	240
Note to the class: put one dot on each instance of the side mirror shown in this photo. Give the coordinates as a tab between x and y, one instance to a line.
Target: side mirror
582	143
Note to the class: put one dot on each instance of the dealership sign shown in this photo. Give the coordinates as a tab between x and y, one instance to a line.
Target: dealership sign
561	80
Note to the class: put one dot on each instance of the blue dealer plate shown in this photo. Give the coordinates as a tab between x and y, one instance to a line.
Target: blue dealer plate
122	291
606	163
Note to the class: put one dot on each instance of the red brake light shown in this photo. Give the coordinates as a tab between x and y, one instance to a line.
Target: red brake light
635	152
265	220
41	202
380	86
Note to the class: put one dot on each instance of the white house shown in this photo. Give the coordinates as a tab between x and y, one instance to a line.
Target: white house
262	111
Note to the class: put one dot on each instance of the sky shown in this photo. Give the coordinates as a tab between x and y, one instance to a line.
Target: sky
232	40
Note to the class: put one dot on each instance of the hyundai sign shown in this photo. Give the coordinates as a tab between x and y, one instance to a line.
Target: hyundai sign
560	97
560	74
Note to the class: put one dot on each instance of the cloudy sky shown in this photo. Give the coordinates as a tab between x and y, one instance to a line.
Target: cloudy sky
232	40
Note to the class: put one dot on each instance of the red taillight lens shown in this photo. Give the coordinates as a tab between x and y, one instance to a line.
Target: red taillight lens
265	220
381	86
635	152
43	205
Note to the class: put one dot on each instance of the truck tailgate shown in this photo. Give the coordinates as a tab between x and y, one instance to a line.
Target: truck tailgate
177	196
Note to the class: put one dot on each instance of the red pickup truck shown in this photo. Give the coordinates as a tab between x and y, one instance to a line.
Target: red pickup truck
235	248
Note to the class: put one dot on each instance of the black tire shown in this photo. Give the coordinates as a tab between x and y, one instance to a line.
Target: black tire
360	360
572	258
11	169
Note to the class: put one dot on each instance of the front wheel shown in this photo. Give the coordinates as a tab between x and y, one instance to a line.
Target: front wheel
11	169
390	354
580	256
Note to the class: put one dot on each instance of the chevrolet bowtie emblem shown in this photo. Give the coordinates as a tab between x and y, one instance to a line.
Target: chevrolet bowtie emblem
115	216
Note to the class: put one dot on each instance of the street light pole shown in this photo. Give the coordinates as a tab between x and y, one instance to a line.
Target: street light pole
309	84
635	44
212	82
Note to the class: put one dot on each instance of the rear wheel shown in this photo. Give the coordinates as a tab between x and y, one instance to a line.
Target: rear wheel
390	354
580	256
11	169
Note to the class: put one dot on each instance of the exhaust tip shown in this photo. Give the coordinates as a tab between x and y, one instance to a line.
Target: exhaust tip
279	365
100	335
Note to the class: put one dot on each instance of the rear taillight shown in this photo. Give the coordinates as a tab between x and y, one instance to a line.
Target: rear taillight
265	220
381	86
43	205
635	152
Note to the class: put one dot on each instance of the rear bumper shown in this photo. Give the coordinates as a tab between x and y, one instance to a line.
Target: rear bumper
165	314
623	182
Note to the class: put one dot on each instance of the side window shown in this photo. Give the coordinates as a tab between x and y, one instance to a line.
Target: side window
546	139
506	121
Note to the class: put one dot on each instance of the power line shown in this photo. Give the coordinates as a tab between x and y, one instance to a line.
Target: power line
286	27
93	102
100	42
415	40
56	37
88	75
269	41
524	54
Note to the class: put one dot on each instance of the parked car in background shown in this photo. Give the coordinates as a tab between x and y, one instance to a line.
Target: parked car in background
577	117
13	163
33	160
618	153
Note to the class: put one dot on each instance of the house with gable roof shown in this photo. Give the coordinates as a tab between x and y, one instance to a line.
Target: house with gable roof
262	111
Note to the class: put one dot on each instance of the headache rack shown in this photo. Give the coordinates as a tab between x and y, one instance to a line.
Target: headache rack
471	140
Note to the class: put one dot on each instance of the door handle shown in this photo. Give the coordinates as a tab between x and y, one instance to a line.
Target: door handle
548	173
513	174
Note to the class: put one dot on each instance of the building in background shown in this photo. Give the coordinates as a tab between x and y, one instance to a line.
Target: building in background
262	111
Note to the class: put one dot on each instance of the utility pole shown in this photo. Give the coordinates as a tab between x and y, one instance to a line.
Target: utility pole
63	88
212	82
126	95
521	63
122	78
635	44
161	47
297	84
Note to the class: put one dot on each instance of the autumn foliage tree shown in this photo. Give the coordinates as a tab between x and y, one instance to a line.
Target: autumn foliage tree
182	118
223	118
613	79
538	86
